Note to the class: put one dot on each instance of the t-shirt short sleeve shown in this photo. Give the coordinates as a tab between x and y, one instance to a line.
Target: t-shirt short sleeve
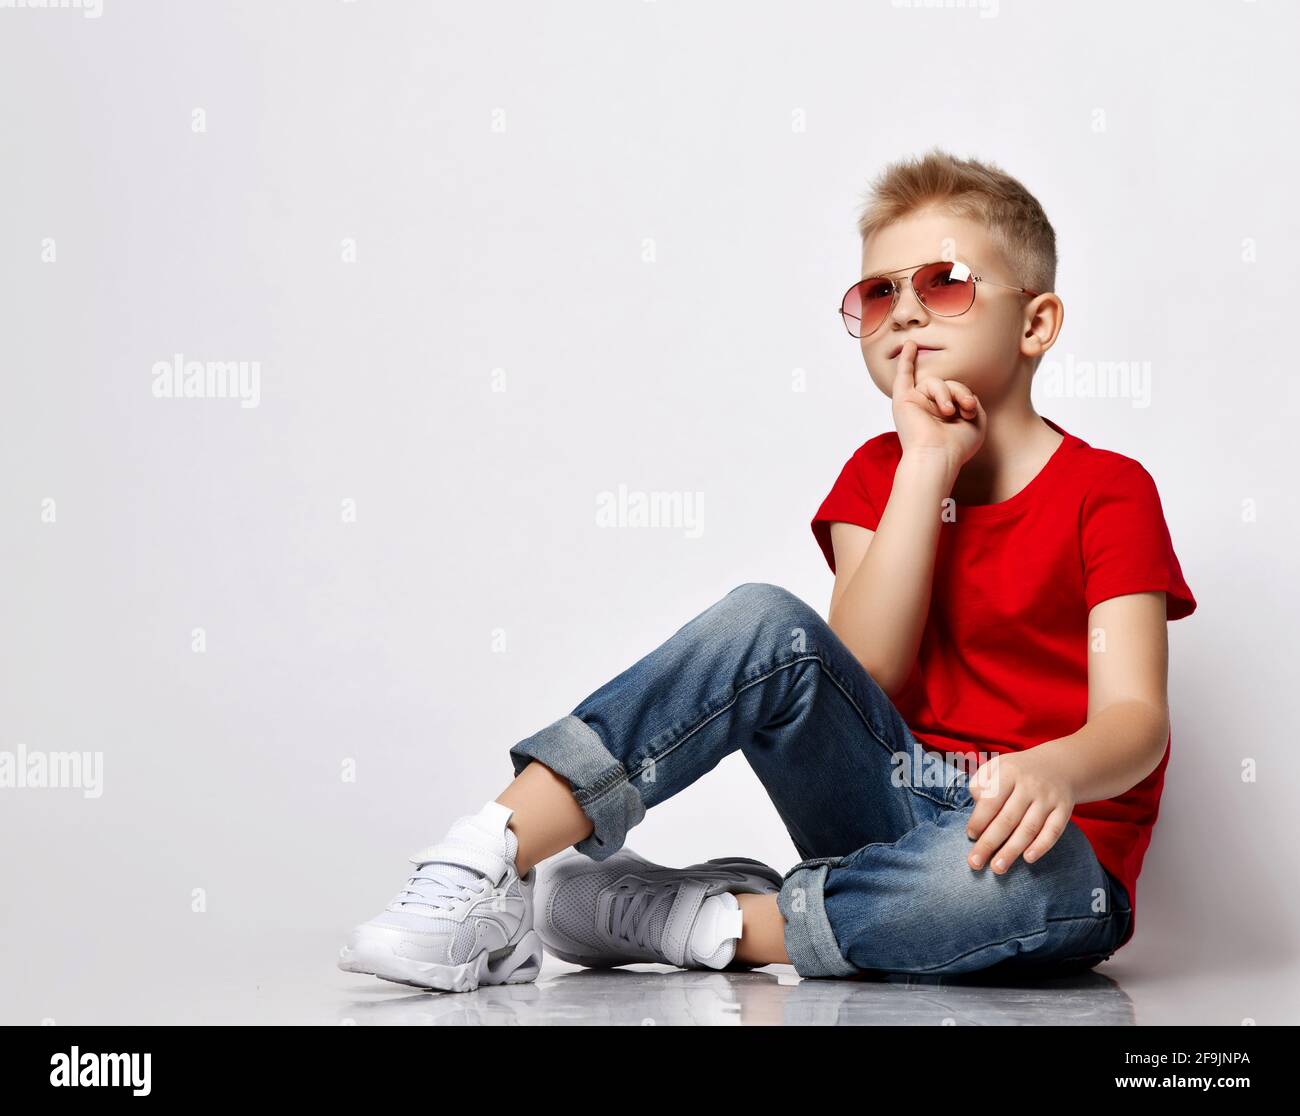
849	501
1126	544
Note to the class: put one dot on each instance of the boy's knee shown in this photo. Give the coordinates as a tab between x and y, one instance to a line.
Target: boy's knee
948	918
761	601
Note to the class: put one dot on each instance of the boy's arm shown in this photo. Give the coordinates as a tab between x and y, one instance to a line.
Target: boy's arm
882	590
849	541
1024	799
1128	706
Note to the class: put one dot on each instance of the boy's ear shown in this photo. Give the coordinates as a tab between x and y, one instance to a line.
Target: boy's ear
1043	325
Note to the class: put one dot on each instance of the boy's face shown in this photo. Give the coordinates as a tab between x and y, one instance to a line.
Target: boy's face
986	347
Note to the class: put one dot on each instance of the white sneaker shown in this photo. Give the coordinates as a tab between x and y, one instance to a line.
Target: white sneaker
465	917
625	909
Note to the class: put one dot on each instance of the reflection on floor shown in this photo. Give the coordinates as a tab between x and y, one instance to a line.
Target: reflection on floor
649	995
264	975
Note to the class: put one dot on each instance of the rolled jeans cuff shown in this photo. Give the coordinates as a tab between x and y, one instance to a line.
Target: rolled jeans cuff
573	749
809	940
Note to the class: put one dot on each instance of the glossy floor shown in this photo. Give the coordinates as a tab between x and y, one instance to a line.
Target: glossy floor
278	976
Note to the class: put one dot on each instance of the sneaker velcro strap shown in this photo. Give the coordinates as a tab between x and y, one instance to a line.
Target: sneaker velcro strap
491	864
681	919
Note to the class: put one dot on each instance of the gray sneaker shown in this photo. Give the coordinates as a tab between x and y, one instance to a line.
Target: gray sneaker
624	909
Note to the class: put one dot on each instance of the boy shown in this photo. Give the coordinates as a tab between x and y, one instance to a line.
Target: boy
968	754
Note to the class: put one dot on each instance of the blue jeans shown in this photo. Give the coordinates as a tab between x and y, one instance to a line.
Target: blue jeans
879	820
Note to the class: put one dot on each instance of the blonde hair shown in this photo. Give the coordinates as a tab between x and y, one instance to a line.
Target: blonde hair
975	190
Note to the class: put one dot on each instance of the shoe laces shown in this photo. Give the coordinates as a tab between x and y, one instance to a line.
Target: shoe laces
633	911
464	865
432	885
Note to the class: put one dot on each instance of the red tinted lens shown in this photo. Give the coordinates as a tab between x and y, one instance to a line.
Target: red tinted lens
940	292
866	305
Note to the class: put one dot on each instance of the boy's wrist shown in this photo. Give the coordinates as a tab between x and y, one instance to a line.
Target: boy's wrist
931	463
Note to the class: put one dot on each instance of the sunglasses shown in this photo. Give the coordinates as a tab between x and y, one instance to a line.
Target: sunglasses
946	288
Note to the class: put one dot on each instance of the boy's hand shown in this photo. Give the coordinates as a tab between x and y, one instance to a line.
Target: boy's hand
1021	805
936	414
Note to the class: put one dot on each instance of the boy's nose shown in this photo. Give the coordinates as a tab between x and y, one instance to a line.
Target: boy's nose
907	307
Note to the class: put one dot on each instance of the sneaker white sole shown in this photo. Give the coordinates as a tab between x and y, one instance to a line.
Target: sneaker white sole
516	964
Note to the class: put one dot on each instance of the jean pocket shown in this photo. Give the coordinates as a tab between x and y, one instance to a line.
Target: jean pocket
957	793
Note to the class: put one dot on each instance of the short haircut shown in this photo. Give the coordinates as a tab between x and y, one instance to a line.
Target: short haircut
972	189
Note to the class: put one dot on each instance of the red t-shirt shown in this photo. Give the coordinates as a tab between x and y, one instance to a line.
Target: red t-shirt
1003	661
